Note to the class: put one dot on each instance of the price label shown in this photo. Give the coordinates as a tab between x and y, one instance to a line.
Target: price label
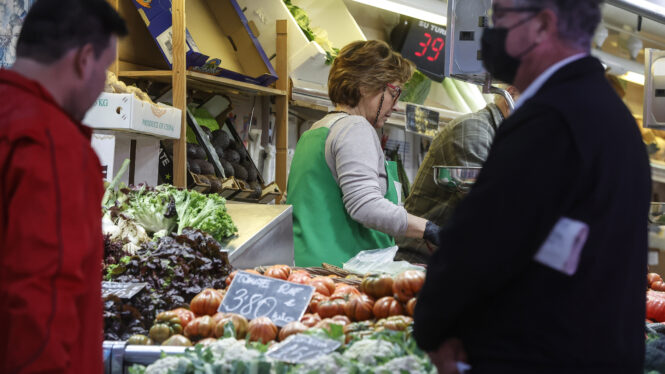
121	290
252	296
300	347
421	120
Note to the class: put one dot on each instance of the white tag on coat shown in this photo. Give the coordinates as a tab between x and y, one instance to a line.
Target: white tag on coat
562	248
398	189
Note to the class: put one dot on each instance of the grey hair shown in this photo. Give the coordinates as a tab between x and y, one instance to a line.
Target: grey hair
578	19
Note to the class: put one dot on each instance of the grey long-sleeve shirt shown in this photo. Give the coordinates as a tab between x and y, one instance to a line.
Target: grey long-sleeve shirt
355	158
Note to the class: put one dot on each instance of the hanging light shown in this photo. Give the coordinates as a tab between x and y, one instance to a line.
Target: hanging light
426	10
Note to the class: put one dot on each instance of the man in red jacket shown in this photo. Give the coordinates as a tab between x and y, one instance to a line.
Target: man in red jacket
51	188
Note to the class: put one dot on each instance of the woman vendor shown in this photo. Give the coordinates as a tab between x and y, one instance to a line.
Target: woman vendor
343	191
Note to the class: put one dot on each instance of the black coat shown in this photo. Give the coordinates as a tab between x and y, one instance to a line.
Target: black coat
572	150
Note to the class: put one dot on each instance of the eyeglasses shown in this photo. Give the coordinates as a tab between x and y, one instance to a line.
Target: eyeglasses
498	12
396	89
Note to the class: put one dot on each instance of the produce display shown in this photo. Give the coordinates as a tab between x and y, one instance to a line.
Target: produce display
655	298
317	34
416	89
232	155
466	97
654	360
133	215
373	339
113	85
165	237
176	268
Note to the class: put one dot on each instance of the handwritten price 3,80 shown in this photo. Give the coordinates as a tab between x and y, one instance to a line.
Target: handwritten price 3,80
257	305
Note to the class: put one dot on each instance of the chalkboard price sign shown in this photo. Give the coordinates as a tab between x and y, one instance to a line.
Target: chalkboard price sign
252	295
121	290
300	347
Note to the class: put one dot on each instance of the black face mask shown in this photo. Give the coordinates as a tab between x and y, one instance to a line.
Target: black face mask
496	59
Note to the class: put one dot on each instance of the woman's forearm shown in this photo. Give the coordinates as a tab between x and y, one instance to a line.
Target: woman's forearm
415	226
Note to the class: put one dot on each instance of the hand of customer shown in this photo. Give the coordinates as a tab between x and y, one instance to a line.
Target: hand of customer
431	233
446	357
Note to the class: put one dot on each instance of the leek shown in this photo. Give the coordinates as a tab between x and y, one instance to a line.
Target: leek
454	95
473	98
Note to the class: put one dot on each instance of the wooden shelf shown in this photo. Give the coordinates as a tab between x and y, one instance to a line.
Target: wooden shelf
205	82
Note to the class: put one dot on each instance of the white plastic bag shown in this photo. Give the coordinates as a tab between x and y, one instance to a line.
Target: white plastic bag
378	261
269	163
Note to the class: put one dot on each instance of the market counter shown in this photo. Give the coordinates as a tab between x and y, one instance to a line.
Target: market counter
265	235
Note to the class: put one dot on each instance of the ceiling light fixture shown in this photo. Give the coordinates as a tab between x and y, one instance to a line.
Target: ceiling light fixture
633	77
623	68
430	11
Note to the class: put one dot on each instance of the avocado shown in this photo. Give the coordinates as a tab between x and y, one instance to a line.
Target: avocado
228	168
215	185
221	138
251	170
192	153
194	166
232	156
220	151
256	186
240	172
206	167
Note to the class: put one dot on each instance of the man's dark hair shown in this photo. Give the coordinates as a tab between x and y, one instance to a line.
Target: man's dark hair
53	27
578	19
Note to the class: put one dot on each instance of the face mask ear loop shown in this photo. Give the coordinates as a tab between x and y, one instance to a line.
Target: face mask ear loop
376	120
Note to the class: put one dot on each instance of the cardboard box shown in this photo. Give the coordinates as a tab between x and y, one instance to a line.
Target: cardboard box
307	60
113	148
218	39
126	112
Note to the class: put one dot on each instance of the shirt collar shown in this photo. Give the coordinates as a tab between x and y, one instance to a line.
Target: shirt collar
496	114
35	88
543	77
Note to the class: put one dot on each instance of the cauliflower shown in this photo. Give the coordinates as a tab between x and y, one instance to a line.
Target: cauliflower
166	364
367	351
328	364
228	350
130	232
108	227
410	364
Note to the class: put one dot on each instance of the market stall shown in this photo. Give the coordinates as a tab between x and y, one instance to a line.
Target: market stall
348	322
207	105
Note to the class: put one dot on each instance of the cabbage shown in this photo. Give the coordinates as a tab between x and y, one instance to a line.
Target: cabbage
154	210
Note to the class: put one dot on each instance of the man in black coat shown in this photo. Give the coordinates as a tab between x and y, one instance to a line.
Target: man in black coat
542	268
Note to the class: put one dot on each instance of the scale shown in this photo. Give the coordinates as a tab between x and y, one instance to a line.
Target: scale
654	88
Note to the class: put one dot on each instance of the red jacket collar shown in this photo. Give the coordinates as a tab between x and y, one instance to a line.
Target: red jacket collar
35	88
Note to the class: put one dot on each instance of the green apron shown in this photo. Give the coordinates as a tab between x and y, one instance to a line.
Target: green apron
322	229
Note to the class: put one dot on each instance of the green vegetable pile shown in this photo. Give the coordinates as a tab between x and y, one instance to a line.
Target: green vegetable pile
158	211
382	352
654	359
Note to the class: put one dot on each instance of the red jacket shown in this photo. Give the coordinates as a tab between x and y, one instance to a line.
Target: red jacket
50	236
